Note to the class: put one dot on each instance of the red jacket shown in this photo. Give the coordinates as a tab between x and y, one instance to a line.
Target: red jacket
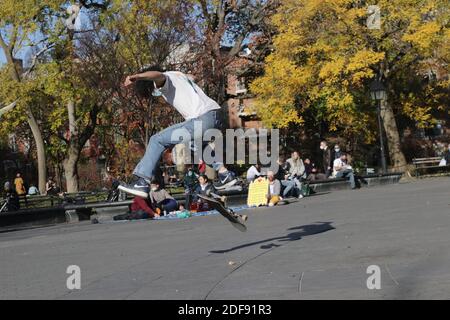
202	167
142	204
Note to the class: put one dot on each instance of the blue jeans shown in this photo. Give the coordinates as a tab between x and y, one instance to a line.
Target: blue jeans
288	185
163	140
347	173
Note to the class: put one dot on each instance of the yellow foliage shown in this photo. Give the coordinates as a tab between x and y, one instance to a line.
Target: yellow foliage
325	57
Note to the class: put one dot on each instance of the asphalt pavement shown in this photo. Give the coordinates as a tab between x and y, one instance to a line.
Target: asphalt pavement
318	248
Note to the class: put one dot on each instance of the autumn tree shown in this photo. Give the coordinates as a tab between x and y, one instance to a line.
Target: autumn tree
232	24
326	56
20	22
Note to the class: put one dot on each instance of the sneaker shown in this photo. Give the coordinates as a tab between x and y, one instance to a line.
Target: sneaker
226	180
140	188
222	186
300	196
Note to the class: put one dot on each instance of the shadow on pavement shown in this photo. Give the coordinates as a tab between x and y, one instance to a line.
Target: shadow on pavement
315	193
304	231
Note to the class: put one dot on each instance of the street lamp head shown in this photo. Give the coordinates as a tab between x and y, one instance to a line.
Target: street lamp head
377	90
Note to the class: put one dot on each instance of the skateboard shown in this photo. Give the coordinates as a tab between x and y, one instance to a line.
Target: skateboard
236	220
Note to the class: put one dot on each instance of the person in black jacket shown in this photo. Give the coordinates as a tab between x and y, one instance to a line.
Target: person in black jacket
311	171
13	203
283	175
327	158
206	188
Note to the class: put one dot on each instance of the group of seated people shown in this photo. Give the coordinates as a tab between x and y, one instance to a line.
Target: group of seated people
160	202
294	172
288	181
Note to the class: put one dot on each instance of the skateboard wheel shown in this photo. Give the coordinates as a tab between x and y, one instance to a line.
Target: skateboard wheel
244	217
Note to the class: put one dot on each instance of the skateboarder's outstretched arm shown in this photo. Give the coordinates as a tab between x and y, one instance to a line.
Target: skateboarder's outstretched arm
158	77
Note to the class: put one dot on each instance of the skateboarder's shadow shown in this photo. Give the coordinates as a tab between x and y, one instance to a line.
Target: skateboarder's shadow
306	230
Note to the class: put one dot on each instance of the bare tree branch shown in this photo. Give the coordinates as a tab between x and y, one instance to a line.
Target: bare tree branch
35	58
7	108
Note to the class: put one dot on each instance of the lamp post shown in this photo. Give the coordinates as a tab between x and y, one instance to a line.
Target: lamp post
378	93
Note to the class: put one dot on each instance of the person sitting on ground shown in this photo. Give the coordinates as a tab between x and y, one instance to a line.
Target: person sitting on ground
206	188
33	191
343	170
283	176
253	172
140	209
297	171
273	197
161	200
311	171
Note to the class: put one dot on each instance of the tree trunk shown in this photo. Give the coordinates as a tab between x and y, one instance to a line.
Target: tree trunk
398	160
42	164
71	169
71	161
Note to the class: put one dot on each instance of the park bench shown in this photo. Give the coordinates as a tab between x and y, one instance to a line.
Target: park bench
428	164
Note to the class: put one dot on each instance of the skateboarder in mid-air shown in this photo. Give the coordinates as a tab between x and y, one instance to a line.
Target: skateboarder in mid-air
188	99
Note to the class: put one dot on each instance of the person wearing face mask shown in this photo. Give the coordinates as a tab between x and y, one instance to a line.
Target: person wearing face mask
341	169
161	199
327	158
337	152
180	91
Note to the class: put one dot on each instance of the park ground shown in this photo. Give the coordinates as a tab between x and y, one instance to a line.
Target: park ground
317	248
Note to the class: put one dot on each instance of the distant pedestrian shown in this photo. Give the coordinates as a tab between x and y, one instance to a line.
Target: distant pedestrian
327	158
20	188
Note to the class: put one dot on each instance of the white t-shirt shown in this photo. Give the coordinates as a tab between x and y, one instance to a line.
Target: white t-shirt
252	172
187	97
339	163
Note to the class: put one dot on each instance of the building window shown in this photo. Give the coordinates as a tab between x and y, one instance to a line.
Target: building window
12	143
240	86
